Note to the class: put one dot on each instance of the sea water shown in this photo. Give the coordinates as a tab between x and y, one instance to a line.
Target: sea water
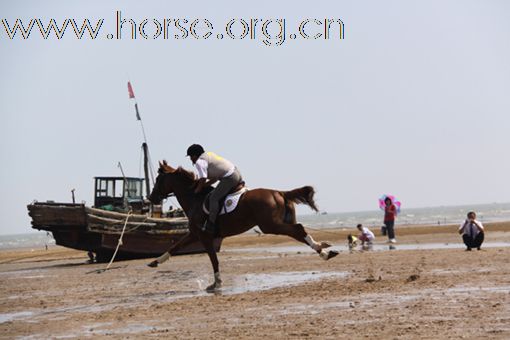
35	240
494	212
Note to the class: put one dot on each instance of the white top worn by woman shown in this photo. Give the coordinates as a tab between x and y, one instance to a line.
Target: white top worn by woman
367	233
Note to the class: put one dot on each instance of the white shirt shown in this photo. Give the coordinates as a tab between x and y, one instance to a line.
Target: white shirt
471	229
201	166
370	235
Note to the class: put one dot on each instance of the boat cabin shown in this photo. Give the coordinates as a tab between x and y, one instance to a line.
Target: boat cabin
119	193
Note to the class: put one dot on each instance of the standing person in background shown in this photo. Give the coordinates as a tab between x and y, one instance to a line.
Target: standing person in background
472	232
390	213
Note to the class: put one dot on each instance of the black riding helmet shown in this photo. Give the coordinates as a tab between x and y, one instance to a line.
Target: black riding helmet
195	150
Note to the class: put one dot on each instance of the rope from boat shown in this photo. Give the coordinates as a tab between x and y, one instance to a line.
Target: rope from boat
119	243
175	231
138	225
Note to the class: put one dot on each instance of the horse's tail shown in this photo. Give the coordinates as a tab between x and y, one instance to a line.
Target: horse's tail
302	195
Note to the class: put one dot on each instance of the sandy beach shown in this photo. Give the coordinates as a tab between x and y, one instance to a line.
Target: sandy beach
428	287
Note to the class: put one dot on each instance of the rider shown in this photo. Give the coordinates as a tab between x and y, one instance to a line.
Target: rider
212	168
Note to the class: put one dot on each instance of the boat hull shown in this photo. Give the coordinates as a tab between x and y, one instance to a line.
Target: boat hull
98	231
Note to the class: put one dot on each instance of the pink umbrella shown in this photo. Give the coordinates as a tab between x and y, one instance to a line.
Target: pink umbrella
393	199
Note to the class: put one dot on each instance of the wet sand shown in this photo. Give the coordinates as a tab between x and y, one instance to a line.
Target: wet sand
271	289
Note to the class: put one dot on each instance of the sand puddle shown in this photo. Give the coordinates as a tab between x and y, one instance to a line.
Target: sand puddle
6	317
497	289
238	284
298	249
260	282
377	300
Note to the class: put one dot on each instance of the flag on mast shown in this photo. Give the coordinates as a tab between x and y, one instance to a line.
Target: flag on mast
130	91
132	96
138	117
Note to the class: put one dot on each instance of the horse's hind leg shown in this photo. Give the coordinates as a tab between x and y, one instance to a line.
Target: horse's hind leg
297	232
289	218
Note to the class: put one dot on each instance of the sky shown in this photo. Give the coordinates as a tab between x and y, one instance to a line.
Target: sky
414	101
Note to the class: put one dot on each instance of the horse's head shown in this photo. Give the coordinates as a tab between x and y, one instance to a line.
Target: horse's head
170	181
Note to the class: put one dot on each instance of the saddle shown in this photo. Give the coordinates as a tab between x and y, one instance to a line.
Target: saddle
228	203
237	188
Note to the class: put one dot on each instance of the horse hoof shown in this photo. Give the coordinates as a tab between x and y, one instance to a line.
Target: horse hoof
212	288
153	264
325	244
332	253
326	255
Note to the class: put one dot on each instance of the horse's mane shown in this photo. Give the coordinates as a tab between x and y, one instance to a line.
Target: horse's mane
164	168
190	176
185	173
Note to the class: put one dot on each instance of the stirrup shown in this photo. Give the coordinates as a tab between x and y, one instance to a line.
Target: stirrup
209	227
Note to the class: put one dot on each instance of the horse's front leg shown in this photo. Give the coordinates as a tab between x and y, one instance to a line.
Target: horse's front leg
217	278
207	242
183	241
197	221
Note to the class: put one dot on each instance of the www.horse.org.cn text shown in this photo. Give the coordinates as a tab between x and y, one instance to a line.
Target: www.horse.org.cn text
271	32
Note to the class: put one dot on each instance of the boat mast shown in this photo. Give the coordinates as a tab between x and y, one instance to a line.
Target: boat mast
145	147
146	168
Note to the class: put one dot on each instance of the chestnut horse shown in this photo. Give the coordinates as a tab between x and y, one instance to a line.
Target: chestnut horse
272	210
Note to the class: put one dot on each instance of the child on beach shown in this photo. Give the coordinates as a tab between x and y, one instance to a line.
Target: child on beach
352	241
366	237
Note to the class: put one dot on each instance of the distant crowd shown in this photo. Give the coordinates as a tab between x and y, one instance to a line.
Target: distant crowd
471	229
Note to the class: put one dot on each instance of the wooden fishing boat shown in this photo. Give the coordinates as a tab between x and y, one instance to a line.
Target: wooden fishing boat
118	202
97	229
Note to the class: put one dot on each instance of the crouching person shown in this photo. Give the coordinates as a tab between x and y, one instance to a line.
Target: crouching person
352	241
472	232
366	237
